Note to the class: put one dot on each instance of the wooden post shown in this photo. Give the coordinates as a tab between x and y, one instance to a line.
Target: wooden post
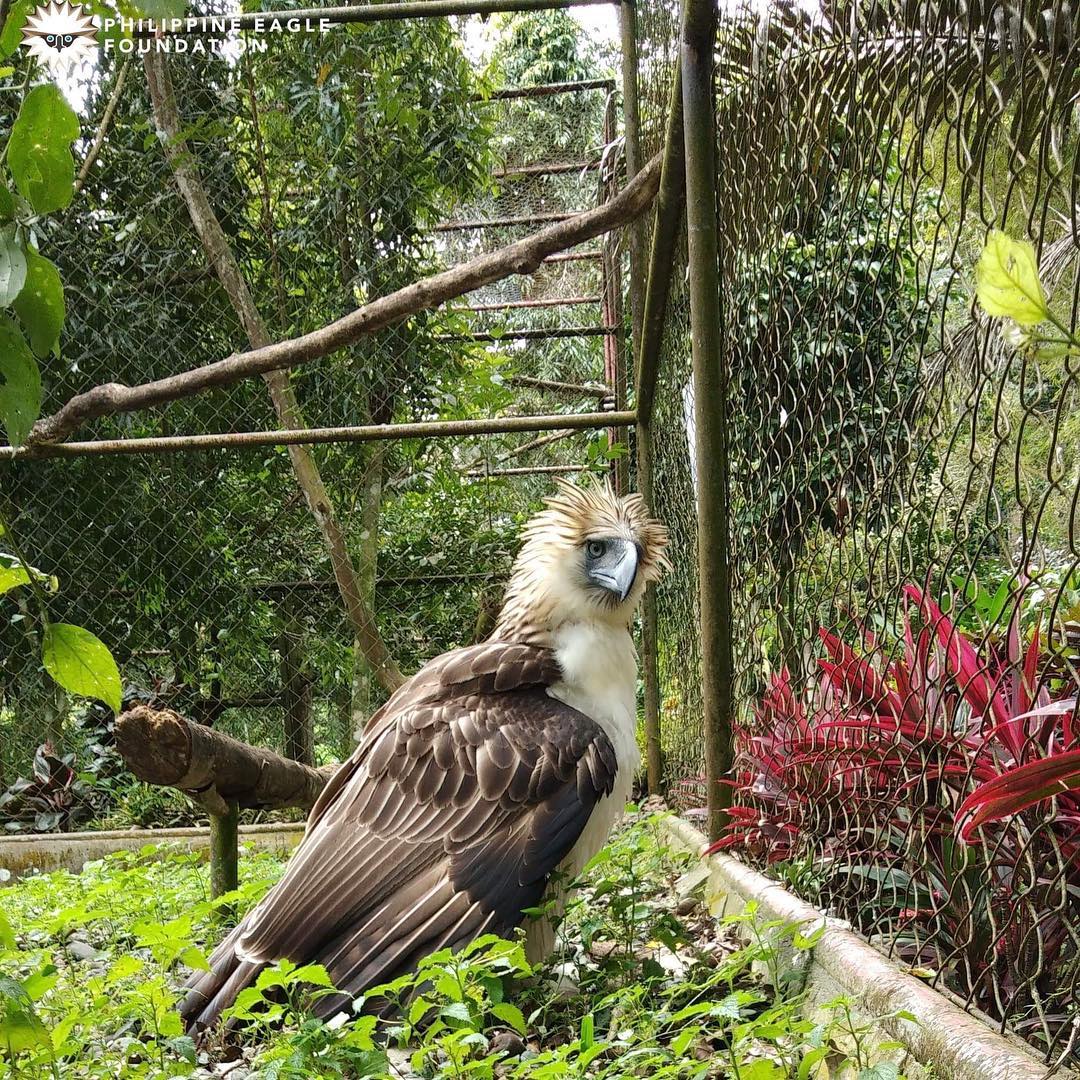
224	850
162	747
710	402
670	201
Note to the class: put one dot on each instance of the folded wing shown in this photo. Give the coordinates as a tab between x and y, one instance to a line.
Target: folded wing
468	789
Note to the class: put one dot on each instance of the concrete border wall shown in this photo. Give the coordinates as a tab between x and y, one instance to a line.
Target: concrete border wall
20	855
946	1041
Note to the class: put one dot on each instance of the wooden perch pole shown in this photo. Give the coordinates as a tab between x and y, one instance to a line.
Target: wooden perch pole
225	851
522	257
164	748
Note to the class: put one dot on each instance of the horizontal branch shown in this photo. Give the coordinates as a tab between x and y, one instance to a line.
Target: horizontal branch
522	257
595	390
549	89
233	440
553	302
527	470
164	748
207	25
549	168
552	334
503	222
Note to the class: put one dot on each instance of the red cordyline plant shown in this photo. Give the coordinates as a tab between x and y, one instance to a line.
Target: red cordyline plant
866	775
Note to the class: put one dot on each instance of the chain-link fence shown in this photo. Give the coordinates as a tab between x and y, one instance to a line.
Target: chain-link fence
340	166
904	471
905	475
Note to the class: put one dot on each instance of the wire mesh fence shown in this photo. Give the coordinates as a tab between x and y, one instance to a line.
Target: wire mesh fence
904	470
340	166
904	480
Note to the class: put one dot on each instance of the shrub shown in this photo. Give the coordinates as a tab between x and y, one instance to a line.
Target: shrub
864	773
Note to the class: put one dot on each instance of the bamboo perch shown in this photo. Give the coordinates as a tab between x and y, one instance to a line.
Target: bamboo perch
522	257
709	366
164	748
237	440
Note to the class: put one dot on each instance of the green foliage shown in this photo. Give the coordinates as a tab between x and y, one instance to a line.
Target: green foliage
38	157
20	392
832	318
102	980
40	304
91	995
39	149
537	47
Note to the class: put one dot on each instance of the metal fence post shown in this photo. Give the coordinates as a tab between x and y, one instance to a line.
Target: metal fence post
648	341
710	402
632	142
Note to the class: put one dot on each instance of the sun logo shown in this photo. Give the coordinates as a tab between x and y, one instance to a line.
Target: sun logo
59	30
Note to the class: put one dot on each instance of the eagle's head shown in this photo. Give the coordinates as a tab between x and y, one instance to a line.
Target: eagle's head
588	555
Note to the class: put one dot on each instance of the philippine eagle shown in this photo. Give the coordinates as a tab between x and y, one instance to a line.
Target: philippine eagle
491	768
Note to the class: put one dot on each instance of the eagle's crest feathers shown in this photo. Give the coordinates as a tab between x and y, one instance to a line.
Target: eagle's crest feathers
545	590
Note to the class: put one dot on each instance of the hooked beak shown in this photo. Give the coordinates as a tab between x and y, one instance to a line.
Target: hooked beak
618	576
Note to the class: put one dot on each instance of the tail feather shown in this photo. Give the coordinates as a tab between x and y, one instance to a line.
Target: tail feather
211	992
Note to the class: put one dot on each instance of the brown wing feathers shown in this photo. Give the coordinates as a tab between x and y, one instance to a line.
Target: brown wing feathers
470	786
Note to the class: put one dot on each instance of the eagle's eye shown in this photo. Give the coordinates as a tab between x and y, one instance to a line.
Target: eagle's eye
68	39
50	39
595	549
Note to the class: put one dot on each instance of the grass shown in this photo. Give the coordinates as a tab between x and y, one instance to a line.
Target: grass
644	984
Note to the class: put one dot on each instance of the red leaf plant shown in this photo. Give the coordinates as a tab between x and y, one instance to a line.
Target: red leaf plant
856	783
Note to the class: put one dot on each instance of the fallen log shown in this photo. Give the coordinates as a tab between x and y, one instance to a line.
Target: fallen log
164	748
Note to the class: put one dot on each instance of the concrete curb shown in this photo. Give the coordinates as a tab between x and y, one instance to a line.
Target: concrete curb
953	1042
43	852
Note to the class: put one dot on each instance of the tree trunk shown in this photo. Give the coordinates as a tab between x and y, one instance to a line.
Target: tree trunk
367	566
296	690
221	258
164	748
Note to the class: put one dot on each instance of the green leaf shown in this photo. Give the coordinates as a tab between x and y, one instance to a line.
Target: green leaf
20	391
40	305
12	265
1007	280
195	958
11	577
456	1010
38	983
184	1046
515	1018
7	935
39	149
11	35
20	1027
125	967
7	205
883	1070
81	663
